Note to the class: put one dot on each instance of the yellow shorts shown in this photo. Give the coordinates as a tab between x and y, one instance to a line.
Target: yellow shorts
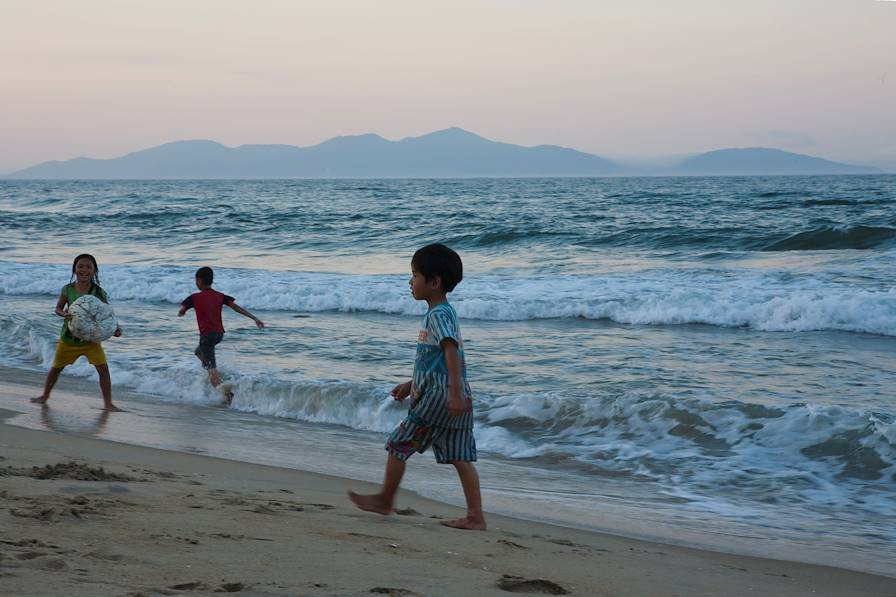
66	354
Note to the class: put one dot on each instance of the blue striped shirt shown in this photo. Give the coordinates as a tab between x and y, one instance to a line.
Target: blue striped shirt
429	390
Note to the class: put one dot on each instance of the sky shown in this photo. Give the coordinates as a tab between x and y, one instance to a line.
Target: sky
636	79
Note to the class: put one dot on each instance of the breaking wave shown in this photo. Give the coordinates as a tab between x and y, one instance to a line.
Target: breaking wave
766	302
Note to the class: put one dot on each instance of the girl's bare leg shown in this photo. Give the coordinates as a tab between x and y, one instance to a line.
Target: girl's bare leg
106	387
52	376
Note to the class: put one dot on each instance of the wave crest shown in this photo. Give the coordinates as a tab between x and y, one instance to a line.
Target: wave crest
830	238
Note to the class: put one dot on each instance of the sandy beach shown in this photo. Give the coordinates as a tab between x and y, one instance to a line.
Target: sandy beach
90	517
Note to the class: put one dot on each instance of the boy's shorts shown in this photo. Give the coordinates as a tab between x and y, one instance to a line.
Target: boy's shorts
206	349
66	354
448	445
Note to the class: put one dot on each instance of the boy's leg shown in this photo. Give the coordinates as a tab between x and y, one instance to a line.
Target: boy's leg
202	352
106	387
458	447
52	377
469	480
227	394
409	437
214	377
382	502
206	353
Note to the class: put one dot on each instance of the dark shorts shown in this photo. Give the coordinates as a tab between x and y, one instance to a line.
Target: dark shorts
206	349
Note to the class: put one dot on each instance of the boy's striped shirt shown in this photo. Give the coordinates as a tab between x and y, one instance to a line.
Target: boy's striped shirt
429	390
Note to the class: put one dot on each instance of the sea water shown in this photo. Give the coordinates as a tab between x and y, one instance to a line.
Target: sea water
708	361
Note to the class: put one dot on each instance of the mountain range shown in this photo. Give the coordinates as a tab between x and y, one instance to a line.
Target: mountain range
449	153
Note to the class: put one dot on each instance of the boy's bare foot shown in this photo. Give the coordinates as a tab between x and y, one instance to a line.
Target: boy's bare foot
227	393
39	399
370	503
467	523
112	408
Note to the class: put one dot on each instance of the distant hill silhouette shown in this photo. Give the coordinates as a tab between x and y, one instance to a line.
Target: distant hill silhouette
447	153
760	160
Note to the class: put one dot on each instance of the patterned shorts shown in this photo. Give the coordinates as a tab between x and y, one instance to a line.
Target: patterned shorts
448	445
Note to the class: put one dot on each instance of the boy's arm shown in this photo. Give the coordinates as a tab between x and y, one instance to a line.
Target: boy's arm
402	390
456	404
241	311
185	306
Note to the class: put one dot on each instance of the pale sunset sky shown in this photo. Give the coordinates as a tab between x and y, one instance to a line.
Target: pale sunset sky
619	78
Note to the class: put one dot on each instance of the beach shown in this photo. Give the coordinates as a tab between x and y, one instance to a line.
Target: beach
703	363
83	516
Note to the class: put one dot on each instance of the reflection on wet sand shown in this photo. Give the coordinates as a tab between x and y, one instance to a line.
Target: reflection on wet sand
66	422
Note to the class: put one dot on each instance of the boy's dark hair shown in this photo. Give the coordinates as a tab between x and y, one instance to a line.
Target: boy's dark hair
206	275
438	261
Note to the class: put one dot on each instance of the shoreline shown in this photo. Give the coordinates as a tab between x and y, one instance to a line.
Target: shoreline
194	523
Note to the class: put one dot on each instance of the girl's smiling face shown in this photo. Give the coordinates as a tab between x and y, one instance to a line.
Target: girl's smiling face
84	270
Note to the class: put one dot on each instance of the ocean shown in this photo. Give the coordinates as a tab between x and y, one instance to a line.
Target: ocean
706	361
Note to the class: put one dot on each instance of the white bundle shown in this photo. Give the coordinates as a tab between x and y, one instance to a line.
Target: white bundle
92	320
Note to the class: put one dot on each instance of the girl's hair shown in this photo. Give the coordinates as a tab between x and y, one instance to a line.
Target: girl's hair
95	280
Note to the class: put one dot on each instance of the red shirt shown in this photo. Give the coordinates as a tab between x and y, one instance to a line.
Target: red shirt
208	304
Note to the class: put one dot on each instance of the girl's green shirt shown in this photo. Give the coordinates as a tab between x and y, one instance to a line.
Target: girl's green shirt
71	293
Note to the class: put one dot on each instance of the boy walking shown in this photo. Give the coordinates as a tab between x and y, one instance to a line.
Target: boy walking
441	409
208	303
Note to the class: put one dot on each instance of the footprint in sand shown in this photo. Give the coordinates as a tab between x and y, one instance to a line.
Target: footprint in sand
319	506
190	586
107	556
512	544
30	543
393	592
565	542
51	514
407	512
228	587
30	555
52	564
518	584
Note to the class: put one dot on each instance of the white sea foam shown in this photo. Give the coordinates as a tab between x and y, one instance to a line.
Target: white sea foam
767	302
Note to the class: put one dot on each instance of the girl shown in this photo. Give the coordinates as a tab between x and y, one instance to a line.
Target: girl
84	280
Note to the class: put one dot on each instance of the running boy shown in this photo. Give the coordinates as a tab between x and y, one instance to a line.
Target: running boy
208	303
441	409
